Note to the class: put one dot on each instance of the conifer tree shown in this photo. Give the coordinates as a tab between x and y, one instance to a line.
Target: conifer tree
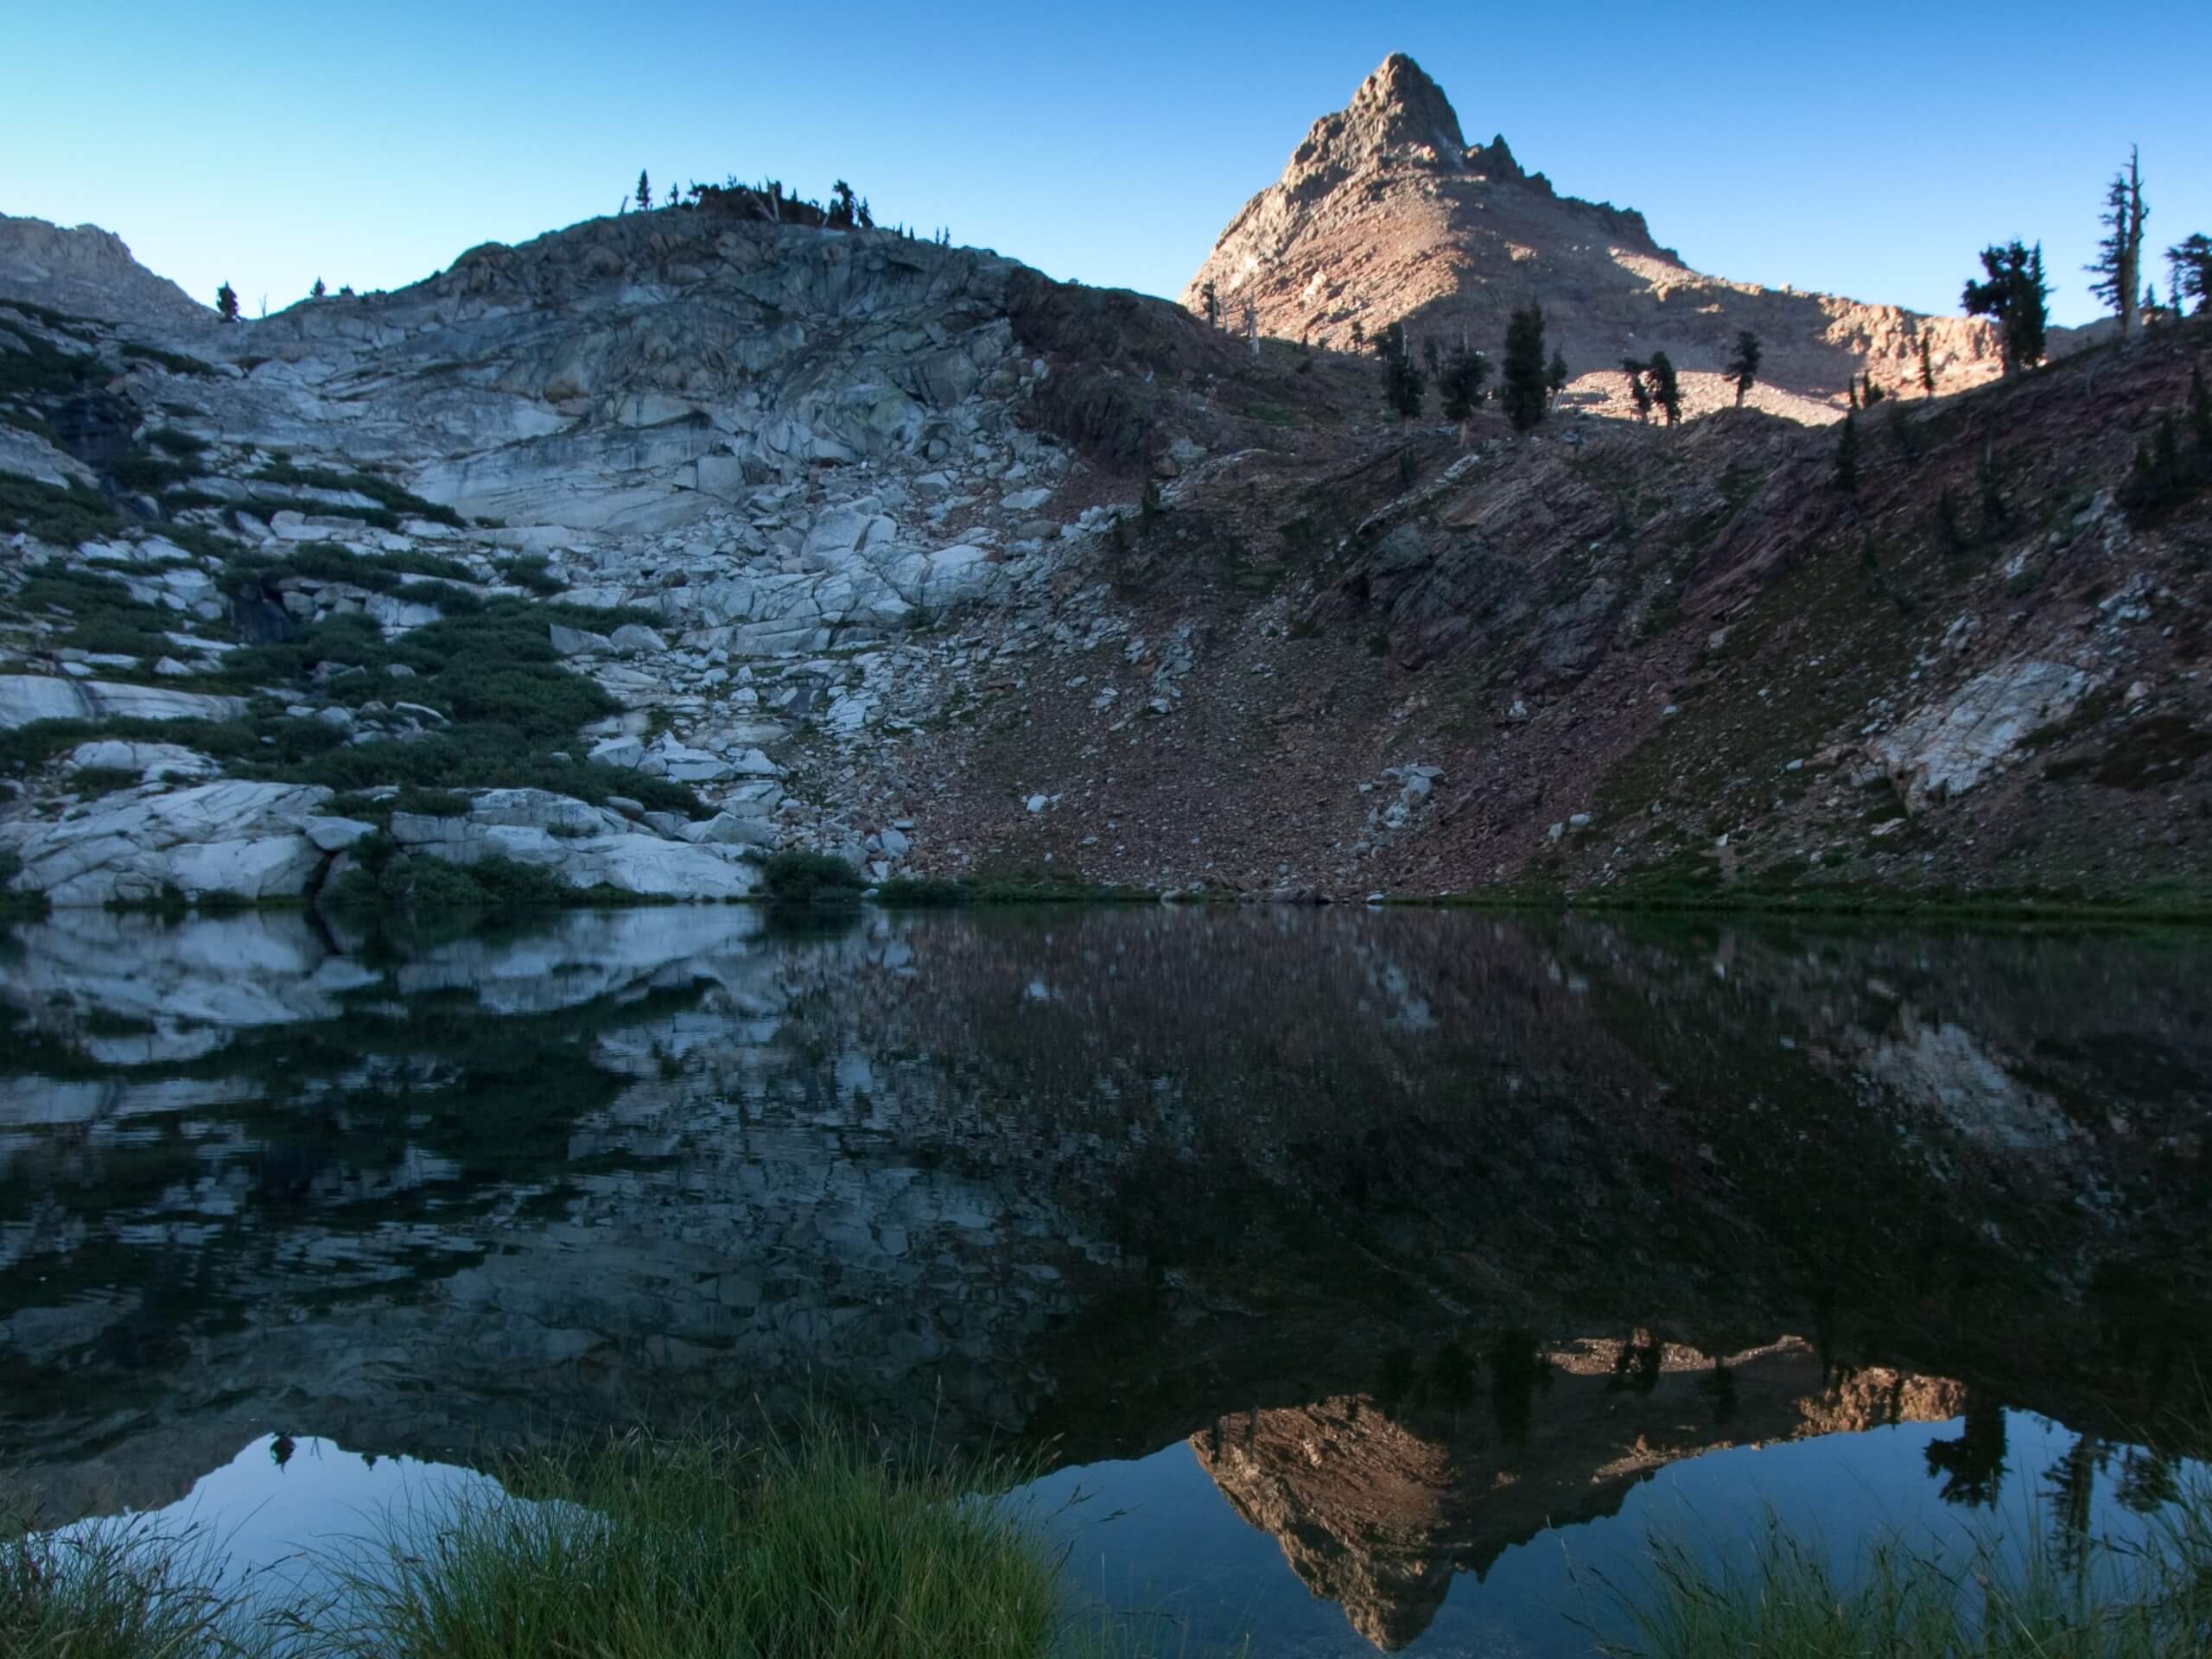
1359	335
1460	383
1639	394
1846	456
1402	382
1927	368
1432	355
1523	389
1666	387
318	290
1872	394
645	190
1744	367
1210	303
2189	269
1851	392
1556	375
2119	256
226	303
2016	295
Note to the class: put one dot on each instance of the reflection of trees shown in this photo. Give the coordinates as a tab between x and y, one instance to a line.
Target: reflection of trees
1721	1388
1973	1465
1517	1369
2072	1490
1636	1367
2147	1481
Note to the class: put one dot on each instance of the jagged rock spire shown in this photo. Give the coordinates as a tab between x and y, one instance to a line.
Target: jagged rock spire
1398	105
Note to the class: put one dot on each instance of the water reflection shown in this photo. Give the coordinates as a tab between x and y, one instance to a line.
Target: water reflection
1424	1232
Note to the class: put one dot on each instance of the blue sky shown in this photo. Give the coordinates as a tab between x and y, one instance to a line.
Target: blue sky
1866	150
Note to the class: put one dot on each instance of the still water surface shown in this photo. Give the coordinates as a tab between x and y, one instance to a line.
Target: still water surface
1374	1279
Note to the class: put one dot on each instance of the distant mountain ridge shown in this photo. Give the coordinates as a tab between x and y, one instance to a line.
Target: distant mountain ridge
1385	214
88	272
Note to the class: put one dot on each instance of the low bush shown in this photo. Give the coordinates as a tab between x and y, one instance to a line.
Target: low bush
174	362
103	615
430	803
144	474
337	562
390	497
529	570
801	878
64	516
181	444
920	892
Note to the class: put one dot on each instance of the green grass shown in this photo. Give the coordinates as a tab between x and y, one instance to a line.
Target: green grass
2039	1598
829	1546
702	1548
116	1590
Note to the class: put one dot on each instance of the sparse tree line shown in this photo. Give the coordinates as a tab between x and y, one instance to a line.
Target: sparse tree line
2012	291
766	201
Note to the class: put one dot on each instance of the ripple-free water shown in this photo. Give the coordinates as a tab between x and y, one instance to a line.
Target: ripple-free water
1377	1278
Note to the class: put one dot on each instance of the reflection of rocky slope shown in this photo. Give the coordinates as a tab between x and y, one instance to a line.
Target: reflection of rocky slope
1103	1175
1377	1508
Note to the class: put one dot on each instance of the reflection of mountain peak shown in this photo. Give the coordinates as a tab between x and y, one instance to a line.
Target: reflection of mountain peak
1377	1511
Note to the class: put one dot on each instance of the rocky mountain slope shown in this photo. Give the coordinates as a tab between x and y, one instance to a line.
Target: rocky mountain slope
1386	214
624	557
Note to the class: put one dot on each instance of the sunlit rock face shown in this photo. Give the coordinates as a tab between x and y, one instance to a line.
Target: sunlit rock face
1384	214
1379	1502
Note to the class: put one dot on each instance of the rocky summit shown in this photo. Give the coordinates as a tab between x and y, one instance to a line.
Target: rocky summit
1385	214
620	561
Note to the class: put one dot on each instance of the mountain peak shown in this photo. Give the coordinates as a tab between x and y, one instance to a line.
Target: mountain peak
1399	106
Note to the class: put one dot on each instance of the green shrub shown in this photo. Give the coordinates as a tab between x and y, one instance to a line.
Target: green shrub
529	570
90	782
65	516
33	366
798	878
390	497
103	616
430	803
322	561
507	884
174	362
917	892
172	441
145	475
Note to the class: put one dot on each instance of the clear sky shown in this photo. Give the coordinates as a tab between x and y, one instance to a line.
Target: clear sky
1866	150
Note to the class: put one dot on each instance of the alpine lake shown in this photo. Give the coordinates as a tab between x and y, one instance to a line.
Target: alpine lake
1355	1280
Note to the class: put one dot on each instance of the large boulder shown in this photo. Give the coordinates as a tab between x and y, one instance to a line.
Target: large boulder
242	840
27	697
1945	748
